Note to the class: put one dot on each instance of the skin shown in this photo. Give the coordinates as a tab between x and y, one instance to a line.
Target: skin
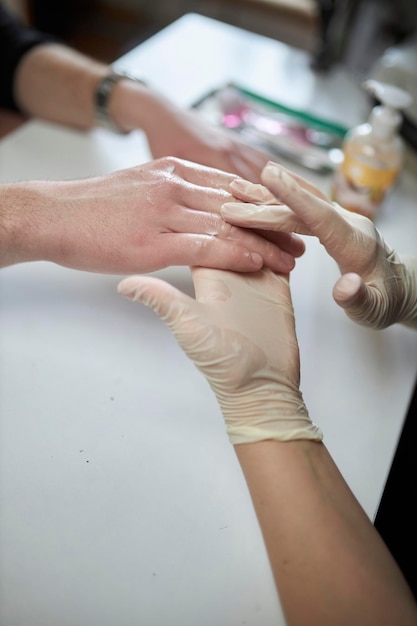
328	561
330	565
163	213
171	131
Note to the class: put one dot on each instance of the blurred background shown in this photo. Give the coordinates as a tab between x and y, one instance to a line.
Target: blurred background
370	38
353	32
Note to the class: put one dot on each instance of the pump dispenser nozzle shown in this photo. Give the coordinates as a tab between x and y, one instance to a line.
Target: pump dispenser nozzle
391	96
385	118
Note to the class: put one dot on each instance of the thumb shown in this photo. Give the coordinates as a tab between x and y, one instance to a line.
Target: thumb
350	291
359	301
165	300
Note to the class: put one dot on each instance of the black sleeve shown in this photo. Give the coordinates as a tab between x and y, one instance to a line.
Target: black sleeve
15	40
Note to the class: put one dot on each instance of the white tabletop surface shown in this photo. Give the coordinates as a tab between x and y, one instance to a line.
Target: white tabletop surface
122	502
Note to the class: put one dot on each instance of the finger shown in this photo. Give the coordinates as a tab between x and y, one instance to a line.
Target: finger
164	299
240	254
358	300
249	162
304	183
202	175
274	248
271	216
349	291
288	242
318	215
206	188
188	220
276	217
243	168
251	192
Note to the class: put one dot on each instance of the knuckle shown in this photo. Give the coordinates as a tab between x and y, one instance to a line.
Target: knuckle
167	161
226	230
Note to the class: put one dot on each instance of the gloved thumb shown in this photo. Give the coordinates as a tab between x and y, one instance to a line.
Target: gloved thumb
164	299
349	291
358	299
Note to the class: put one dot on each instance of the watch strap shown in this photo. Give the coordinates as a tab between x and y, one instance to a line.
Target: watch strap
102	96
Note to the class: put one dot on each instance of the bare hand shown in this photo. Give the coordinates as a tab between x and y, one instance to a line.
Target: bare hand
184	134
137	220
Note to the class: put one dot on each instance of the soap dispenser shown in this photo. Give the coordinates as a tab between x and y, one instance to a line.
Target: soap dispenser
372	153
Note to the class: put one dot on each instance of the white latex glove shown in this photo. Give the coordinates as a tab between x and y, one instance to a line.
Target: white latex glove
240	333
377	287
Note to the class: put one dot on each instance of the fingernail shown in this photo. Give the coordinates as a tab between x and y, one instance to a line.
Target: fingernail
238	209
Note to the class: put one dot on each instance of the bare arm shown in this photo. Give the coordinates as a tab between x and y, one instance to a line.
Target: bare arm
163	213
330	565
57	83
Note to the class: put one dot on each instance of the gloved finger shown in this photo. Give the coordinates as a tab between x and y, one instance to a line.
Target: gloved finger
251	192
320	216
291	205
165	300
260	194
361	302
349	291
275	217
304	183
272	215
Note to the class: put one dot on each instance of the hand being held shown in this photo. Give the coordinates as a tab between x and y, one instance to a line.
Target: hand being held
376	288
239	331
141	219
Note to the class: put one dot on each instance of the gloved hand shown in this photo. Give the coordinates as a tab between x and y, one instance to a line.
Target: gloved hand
377	287
240	333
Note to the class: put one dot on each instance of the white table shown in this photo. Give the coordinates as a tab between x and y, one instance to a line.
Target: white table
122	502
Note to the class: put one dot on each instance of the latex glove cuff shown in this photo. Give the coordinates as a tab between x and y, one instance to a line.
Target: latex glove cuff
408	314
272	412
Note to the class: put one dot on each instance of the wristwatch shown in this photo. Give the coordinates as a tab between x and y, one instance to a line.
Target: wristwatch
102	98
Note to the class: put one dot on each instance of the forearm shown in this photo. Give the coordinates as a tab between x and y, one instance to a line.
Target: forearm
330	565
21	216
56	83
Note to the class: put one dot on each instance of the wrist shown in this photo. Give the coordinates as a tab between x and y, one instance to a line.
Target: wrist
268	414
24	222
121	101
136	106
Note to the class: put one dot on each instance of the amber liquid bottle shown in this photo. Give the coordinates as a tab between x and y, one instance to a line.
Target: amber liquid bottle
372	154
